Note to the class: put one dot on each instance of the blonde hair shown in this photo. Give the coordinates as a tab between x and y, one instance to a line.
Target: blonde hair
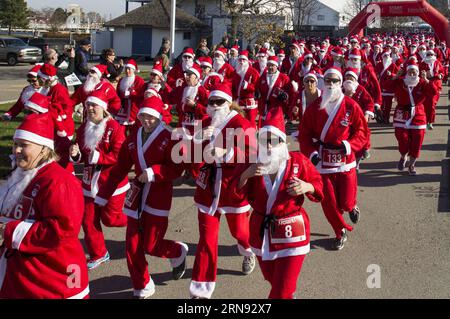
235	107
49	155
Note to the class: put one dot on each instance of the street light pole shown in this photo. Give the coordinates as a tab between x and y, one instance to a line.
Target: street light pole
172	28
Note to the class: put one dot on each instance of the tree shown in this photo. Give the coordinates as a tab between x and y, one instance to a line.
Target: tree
58	18
13	14
355	6
260	29
301	11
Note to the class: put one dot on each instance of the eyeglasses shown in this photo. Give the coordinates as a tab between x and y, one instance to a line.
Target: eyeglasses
330	80
217	102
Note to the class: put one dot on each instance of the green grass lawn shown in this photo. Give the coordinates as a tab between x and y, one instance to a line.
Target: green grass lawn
7	129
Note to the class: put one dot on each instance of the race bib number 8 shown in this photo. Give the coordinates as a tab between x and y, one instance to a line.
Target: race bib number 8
288	230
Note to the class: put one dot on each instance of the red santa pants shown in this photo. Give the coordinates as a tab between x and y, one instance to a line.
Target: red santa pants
282	274
366	146
146	236
250	115
387	107
110	215
205	264
430	105
409	141
339	191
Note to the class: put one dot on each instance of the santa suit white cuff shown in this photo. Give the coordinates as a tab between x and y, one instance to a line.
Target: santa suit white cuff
19	234
313	154
371	114
94	157
61	133
75	159
294	86
7	116
100	201
245	85
348	148
377	106
150	174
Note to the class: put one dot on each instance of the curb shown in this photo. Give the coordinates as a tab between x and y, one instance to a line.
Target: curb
9	101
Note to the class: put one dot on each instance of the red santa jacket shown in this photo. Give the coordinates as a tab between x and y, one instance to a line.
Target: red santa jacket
154	156
444	55
258	68
162	93
18	107
299	100
301	74
384	77
244	88
215	190
227	72
98	167
188	115
63	106
211	80
410	110
284	208
364	100
326	60
114	103
291	69
322	134
436	72
270	95
130	100
369	80
175	77
41	255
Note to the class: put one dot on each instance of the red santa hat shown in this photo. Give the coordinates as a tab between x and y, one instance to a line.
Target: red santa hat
323	48
354	40
337	51
153	106
281	52
34	70
37	128
243	55
100	69
205	61
310	75
386	51
47	72
222	51
274	123
333	70
295	45
308	54
235	48
354	53
262	52
189	51
98	97
422	46
157	68
412	64
38	102
273	60
132	65
352	71
196	70
223	91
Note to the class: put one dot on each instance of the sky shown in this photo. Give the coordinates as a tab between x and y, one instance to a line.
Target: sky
106	8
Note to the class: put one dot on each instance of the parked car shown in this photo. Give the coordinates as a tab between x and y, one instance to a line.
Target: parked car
40	43
14	50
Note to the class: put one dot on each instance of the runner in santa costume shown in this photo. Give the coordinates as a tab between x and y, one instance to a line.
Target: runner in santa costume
26	93
42	208
95	81
396	56
274	88
292	64
97	146
375	57
130	90
61	104
304	98
157	86
323	58
360	95
244	87
280	55
209	77
337	59
307	66
279	225
435	74
409	116
175	77
367	78
262	57
234	53
333	129
149	199
385	70
221	66
215	194
445	58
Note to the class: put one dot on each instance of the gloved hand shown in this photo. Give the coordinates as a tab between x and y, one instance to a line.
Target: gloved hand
315	159
282	96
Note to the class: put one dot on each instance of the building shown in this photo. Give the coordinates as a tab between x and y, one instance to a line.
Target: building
140	31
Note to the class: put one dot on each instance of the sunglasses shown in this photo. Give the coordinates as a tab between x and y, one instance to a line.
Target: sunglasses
188	57
309	81
328	80
430	54
32	80
217	102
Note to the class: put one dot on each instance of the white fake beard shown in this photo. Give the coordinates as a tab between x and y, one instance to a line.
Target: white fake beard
413	51
307	68
350	86
218	63
430	60
27	93
272	163
187	64
386	63
262	63
233	61
395	58
411	81
91	83
241	69
190	92
126	83
155	86
423	54
218	114
12	190
271	77
330	94
356	65
93	133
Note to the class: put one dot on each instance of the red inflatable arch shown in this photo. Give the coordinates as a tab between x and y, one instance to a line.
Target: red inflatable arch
419	8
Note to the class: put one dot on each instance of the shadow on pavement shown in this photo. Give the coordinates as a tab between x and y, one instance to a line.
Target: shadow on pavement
111	287
224	250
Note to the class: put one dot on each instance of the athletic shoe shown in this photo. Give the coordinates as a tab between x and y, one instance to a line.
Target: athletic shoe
91	264
179	264
401	164
339	242
431	126
248	264
354	215
178	272
366	154
412	170
145	293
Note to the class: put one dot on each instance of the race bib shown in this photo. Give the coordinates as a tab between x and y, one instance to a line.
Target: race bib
333	157
401	115
133	196
288	230
202	178
87	175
